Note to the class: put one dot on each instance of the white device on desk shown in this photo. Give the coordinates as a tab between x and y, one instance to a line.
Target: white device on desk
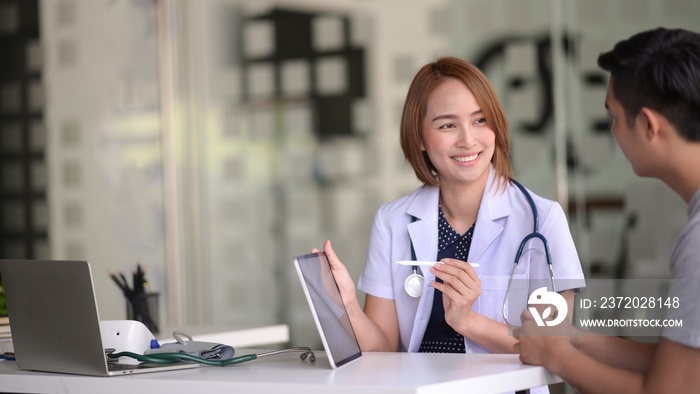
327	308
55	324
127	336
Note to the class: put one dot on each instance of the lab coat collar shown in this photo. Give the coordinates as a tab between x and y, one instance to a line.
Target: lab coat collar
423	231
495	204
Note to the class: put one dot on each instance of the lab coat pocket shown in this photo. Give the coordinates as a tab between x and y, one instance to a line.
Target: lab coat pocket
493	292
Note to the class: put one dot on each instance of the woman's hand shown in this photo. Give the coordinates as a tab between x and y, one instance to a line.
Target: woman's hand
380	332
341	275
460	290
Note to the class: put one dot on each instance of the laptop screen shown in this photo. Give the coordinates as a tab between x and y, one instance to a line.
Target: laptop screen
327	308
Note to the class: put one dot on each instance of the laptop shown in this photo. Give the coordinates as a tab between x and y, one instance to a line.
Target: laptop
54	320
327	308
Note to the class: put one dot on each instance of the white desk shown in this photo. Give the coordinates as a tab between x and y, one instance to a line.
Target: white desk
378	373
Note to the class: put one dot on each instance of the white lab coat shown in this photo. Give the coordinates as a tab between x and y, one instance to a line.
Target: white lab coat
504	219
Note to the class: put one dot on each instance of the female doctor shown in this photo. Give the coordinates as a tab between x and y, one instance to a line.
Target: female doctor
454	134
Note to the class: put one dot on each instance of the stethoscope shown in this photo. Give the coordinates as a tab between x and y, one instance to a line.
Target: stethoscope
221	355
414	282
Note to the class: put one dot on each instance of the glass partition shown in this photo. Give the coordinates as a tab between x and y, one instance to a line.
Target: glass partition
215	140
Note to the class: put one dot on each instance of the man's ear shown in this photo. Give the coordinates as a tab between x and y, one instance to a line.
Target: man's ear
649	121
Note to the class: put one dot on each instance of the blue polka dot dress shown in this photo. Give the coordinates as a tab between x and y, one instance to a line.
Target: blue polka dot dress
439	337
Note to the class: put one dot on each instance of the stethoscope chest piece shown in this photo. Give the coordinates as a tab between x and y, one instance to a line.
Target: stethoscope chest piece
414	284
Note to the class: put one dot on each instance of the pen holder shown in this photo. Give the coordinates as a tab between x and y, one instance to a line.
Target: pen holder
143	307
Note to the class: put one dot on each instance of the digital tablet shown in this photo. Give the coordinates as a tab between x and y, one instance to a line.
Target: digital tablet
327	308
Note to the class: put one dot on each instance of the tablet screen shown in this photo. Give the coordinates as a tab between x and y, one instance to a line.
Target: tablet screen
327	308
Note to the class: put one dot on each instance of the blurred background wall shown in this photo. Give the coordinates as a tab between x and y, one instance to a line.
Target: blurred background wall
213	140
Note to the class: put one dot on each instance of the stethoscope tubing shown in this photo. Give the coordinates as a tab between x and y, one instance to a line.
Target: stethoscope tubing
534	234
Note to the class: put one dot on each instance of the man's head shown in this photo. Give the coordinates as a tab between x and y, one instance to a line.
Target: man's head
660	70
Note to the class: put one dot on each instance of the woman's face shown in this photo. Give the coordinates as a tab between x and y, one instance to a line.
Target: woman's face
455	135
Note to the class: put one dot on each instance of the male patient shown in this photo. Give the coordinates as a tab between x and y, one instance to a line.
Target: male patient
654	99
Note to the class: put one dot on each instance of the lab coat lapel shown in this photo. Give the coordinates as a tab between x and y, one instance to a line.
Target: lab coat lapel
423	231
495	204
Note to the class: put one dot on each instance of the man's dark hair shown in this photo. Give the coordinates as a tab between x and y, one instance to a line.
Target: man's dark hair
658	69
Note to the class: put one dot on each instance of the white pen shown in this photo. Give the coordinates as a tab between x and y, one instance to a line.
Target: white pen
426	263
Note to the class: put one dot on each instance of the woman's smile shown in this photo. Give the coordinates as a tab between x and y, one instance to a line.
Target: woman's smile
466	159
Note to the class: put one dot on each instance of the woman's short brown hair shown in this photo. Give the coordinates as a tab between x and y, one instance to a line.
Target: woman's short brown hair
426	80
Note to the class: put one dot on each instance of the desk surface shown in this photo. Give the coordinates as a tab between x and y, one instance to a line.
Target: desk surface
287	373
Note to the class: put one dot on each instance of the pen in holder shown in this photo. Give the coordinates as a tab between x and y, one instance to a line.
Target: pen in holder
141	305
144	308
